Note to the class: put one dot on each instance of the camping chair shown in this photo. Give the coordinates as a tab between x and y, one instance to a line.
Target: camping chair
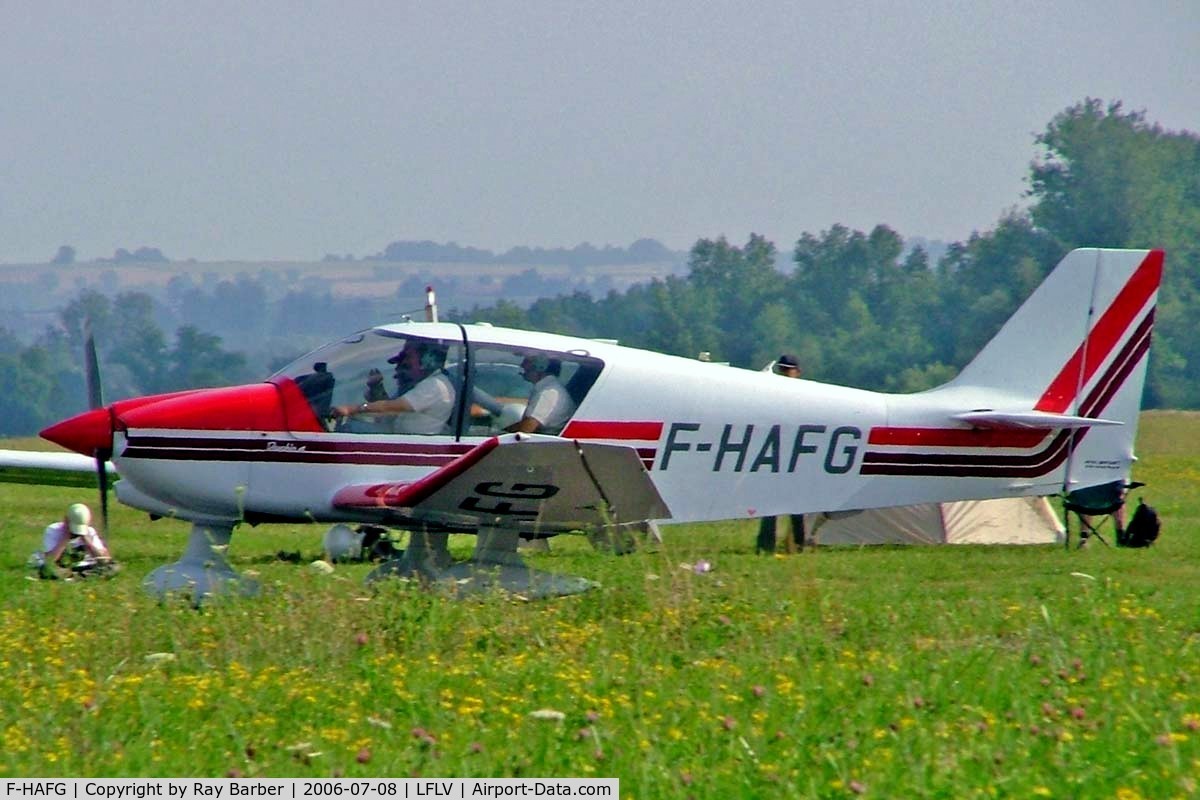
1105	501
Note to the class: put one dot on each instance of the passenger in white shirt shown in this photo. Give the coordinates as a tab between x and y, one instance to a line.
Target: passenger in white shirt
73	532
425	394
549	406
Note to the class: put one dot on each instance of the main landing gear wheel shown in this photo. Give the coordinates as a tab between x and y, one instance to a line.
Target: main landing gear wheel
495	564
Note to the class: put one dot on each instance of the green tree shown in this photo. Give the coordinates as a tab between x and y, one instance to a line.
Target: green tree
739	281
25	394
137	343
1110	178
197	360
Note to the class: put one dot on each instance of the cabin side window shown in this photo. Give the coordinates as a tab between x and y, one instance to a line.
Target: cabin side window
521	389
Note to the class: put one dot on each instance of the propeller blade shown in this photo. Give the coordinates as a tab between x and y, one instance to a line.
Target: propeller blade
102	482
91	367
91	370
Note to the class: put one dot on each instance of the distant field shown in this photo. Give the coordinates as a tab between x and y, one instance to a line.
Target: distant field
46	285
886	672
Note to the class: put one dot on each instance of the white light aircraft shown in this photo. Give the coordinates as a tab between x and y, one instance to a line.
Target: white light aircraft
1049	405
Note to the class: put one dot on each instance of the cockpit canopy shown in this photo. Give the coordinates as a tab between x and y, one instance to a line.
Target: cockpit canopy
496	378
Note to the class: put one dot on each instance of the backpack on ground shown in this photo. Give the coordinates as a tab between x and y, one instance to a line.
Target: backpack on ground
1142	529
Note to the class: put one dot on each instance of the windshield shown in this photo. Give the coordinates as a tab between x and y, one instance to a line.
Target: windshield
365	368
351	385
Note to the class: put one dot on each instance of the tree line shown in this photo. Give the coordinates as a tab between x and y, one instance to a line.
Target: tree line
860	308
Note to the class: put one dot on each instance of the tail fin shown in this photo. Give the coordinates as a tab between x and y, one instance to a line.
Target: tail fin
1077	348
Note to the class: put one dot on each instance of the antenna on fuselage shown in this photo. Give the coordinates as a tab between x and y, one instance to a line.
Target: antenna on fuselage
430	305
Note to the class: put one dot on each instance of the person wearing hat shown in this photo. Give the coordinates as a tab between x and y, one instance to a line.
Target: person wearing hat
425	394
788	366
75	531
550	405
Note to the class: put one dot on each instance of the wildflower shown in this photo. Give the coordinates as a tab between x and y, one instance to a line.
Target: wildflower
548	714
425	737
364	755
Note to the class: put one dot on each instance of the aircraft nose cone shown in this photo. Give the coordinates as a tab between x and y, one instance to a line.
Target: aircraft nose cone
84	433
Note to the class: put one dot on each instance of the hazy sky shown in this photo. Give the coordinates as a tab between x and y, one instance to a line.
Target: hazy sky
262	130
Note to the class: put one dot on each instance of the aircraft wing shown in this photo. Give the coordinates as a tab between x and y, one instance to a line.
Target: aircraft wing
49	468
537	484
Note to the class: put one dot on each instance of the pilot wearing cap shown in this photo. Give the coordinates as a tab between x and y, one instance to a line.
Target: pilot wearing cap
75	530
425	395
550	405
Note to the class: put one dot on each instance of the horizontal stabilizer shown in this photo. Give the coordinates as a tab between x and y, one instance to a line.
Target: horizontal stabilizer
535	484
1026	420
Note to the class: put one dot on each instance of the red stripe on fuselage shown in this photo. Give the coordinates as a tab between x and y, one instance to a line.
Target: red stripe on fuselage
1104	336
955	437
598	429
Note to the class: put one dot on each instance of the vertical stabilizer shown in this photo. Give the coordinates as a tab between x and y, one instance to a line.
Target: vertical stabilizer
1078	346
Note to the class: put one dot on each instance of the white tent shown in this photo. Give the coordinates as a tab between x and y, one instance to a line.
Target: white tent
1017	520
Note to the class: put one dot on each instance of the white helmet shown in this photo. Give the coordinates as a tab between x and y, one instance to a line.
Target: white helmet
79	517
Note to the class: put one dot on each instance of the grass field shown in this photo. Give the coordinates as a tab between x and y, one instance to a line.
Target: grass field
879	672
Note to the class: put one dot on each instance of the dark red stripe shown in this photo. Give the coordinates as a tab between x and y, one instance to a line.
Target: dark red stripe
311	445
286	457
959	458
1108	386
